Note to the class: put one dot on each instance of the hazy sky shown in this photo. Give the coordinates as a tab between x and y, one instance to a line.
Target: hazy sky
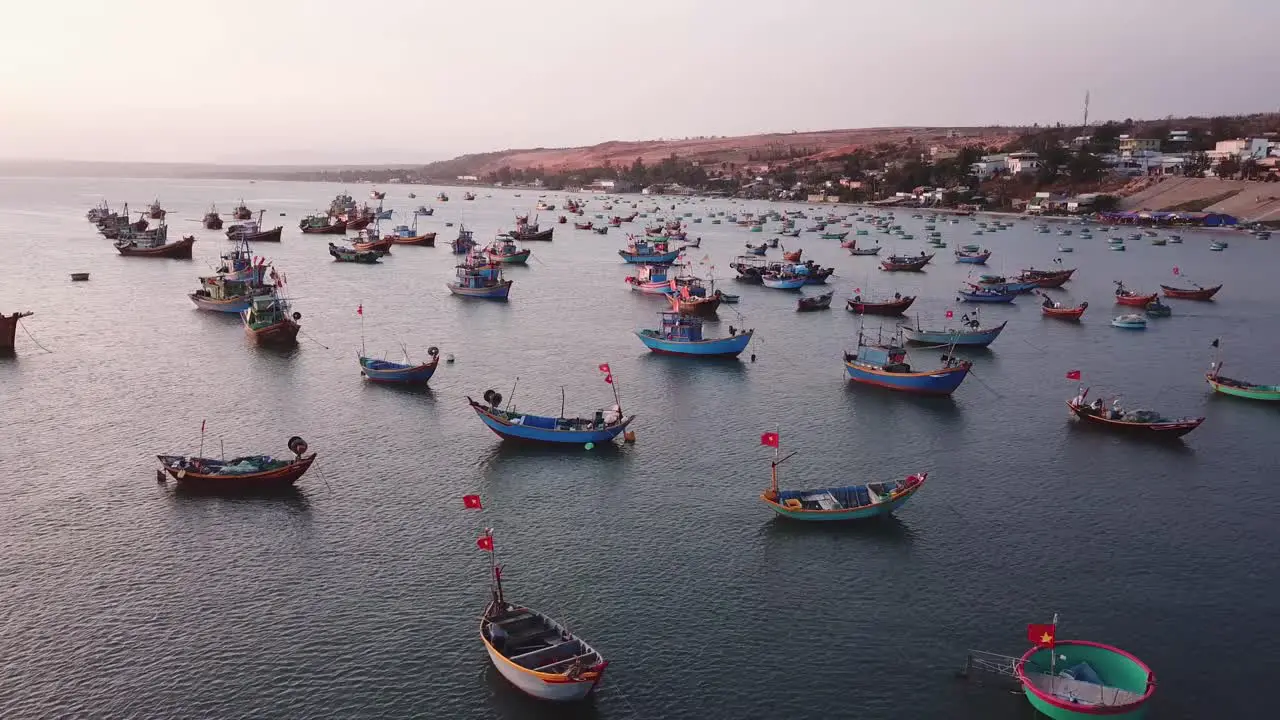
273	81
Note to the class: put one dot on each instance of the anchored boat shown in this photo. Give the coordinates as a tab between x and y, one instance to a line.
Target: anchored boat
682	335
884	364
242	474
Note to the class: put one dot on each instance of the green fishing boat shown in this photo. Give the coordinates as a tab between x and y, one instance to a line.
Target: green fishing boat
1074	679
1240	388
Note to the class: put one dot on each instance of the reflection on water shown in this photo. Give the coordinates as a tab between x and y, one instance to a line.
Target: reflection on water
886	529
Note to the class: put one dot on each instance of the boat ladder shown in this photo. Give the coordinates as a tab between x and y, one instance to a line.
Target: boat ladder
989	663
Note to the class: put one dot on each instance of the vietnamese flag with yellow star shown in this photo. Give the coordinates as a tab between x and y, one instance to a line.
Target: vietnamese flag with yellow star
1041	635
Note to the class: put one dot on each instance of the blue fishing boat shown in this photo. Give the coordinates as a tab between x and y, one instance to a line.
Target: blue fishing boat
848	502
973	257
602	427
757	250
406	373
783	279
464	242
645	251
969	333
653	280
884	365
480	280
682	335
977	294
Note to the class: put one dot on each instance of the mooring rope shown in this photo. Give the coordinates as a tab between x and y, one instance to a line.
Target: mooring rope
33	337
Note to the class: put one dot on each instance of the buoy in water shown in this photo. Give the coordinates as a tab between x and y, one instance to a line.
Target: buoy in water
753	357
448	358
629	436
590	446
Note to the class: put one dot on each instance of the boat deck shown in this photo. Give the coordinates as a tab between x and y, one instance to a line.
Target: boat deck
1080	692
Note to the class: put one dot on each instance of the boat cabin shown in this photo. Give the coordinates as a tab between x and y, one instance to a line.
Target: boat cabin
681	328
890	358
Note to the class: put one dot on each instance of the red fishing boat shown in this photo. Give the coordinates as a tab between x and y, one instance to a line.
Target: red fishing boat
905	263
1046	278
1125	296
381	245
1146	423
1057	310
583	226
896	306
153	245
322	225
268	321
1198	293
242	211
792	256
242	474
687	303
359	223
8	329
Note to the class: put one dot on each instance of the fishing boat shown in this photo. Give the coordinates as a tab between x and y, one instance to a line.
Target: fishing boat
757	250
480	280
442	197
1117	247
242	211
1139	422
865	251
1125	296
1196	293
848	502
155	212
969	333
885	365
1067	248
1130	322
425	211
528	231
253	231
979	294
1052	309
322	225
533	651
815	302
834	235
973	257
1077	679
782	279
341	253
9	330
653	280
692	298
152	243
729	298
583	226
1239	388
505	250
269	321
896	306
792	256
1217	246
212	220
408	235
406	373
656	252
468	196
602	230
377	195
242	474
601	427
99	213
682	335
1175	239
464	243
1158	241
1155	308
908	263
1045	278
239	281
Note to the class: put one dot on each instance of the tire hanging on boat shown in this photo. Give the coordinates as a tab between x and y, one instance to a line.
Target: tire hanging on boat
297	445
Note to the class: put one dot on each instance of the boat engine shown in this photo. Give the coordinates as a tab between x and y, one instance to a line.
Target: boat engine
297	446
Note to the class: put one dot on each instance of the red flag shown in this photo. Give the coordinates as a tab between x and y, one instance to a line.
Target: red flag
472	501
1041	635
1073	375
485	542
360	309
950	314
1176	271
608	379
770	439
858	290
604	368
202	422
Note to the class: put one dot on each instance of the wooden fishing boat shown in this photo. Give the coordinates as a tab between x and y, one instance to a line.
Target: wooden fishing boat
476	280
468	196
154	246
351	255
834	235
792	256
155	212
253	231
692	298
79	277
895	263
583	226
884	364
242	474
9	330
602	230
505	250
865	251
973	257
1217	246
268	321
377	195
529	232
368	241
682	335
896	306
1155	308
1046	278
464	242
1138	422
1092	680
651	252
533	651
1196	293
782	280
602	427
442	197
211	219
1052	309
848	502
322	225
653	280
969	333
1240	388
242	211
406	373
1130	322
1125	296
424	211
229	294
815	302
757	250
978	294
408	235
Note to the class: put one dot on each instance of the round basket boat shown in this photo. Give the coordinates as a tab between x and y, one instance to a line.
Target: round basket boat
1092	680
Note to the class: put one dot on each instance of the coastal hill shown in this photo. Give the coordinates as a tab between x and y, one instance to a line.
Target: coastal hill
808	146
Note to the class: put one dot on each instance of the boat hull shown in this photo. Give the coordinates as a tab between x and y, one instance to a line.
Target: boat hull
981	338
860	513
1185	294
943	381
1266	393
267	236
528	433
1135	300
497	292
986	298
426	240
400	375
180	250
1074	313
663	259
783	283
887	309
231	305
277	479
519	258
1167	430
721	347
973	259
283	333
1126	673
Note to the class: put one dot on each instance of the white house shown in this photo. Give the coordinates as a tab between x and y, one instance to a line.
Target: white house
1241	149
1023	162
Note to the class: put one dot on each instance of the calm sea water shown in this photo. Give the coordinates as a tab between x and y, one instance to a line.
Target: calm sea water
359	597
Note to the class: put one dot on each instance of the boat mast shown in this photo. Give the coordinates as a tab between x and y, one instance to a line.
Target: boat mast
773	466
495	576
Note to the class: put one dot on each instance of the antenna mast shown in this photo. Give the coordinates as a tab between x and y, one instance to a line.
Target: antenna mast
1085	126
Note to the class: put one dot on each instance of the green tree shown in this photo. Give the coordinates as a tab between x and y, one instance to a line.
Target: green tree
1227	167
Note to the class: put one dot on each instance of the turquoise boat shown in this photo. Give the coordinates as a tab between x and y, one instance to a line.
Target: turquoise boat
393	373
1077	679
1239	388
884	365
644	251
848	502
682	335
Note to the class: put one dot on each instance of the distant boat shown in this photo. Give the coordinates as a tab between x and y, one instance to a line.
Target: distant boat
1130	322
866	306
977	294
848	502
254	231
351	255
682	335
969	333
153	244
242	474
652	252
241	211
815	302
1240	388
211	220
480	280
909	263
1196	293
